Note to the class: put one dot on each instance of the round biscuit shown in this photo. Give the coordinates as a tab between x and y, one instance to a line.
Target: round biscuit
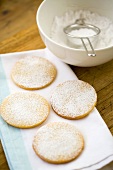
33	73
58	142
73	99
24	109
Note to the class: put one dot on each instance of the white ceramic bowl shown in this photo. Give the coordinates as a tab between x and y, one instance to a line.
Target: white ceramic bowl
51	8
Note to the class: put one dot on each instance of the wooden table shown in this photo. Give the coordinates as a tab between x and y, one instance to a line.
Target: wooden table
19	32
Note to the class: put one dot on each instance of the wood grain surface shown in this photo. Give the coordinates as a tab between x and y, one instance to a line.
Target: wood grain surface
19	32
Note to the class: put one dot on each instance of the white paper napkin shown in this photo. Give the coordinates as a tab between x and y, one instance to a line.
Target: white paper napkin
17	143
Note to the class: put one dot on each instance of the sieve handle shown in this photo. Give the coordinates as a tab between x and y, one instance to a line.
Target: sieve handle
88	53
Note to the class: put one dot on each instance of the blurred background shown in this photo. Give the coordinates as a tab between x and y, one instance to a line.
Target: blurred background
17	20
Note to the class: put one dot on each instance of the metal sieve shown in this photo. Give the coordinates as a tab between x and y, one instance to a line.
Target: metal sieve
81	25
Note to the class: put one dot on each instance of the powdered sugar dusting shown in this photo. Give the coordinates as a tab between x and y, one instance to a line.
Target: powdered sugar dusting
24	109
33	72
73	99
103	40
58	142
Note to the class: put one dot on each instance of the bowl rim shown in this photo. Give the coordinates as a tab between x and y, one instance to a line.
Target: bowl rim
60	45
